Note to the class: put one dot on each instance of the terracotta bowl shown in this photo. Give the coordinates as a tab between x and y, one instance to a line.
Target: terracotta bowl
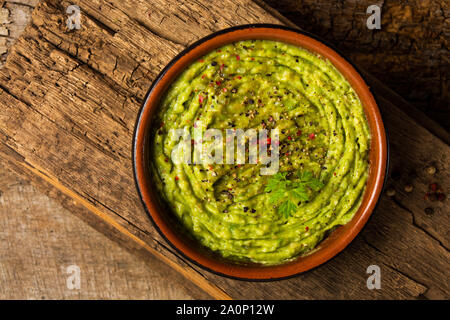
165	221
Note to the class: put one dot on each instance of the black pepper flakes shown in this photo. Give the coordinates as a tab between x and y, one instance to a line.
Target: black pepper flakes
429	211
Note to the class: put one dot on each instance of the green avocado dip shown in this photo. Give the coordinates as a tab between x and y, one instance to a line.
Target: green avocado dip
324	142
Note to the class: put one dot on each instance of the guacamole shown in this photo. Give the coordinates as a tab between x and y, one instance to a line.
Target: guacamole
323	134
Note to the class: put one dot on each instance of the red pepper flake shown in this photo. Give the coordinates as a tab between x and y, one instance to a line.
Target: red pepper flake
269	141
218	50
239	77
289	138
433	186
238	165
201	60
203	76
334	174
252	58
312	136
238	57
307	228
218	83
299	132
287	154
200	98
222	66
229	189
166	159
176	178
210	167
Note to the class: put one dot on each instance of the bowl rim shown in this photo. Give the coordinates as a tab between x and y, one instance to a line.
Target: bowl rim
282	271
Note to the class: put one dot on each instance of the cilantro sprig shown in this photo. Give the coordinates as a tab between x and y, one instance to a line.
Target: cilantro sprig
285	193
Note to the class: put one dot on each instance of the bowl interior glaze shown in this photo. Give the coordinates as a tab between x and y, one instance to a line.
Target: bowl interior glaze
164	220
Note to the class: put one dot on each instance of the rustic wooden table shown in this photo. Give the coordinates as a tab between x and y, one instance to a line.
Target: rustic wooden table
69	102
40	240
35	251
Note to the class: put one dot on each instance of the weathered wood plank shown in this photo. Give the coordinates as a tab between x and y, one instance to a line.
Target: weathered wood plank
14	17
406	248
412	149
409	53
39	239
98	220
60	88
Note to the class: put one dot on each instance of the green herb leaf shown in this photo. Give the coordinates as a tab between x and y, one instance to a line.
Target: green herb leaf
276	182
277	195
300	193
285	192
286	208
305	176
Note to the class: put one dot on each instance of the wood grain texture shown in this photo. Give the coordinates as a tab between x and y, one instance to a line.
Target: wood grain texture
410	52
14	17
39	239
69	104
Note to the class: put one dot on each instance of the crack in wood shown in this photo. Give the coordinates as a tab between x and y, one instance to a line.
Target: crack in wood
126	91
146	27
29	105
159	34
410	278
415	224
188	263
22	4
101	25
390	266
96	202
76	134
371	245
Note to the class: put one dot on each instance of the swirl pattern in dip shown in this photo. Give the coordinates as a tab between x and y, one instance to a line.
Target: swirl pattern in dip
323	130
